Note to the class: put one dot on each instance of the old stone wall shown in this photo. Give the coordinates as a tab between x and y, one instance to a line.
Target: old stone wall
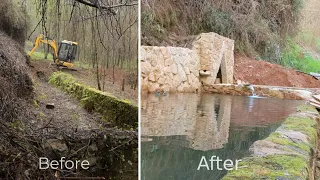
177	69
288	153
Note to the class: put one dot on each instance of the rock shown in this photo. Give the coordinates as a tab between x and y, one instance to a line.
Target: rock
204	73
92	161
161	81
187	70
50	106
57	145
295	136
152	77
168	61
146	68
153	87
265	148
182	74
93	148
174	69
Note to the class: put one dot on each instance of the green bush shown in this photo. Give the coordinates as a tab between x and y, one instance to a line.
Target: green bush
295	57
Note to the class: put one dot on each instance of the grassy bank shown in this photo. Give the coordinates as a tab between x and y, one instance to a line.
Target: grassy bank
296	57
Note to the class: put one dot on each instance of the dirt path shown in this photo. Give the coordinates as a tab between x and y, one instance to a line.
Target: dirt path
73	132
88	77
67	112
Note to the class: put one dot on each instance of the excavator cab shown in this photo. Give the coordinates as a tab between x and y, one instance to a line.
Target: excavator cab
63	55
67	51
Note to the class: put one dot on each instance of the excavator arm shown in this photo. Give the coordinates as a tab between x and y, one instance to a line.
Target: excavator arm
52	43
60	62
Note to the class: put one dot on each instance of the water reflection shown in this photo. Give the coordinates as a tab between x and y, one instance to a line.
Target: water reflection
178	129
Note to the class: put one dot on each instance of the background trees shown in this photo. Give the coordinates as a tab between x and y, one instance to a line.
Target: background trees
106	30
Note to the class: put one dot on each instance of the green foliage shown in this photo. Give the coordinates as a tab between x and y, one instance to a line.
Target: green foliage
295	57
121	113
41	56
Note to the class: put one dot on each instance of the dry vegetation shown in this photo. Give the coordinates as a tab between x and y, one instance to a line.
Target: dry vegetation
15	81
259	27
26	124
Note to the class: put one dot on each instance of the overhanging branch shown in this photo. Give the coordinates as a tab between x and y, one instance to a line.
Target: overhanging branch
108	8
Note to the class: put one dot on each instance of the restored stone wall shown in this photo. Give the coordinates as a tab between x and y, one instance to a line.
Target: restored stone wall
171	69
177	69
215	52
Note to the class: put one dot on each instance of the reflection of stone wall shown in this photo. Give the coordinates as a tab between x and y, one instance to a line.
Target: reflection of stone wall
178	69
212	128
204	120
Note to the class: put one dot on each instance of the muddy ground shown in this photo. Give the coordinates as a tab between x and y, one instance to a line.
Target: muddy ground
265	73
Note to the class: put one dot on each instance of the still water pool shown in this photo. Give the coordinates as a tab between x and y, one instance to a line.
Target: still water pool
178	129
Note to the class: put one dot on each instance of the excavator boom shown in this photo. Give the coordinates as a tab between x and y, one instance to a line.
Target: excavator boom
52	43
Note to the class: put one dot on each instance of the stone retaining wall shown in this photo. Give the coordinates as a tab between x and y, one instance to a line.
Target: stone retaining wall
169	69
177	69
121	113
287	153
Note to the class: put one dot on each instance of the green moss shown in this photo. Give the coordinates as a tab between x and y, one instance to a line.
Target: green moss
121	113
304	125
17	124
35	104
306	108
270	167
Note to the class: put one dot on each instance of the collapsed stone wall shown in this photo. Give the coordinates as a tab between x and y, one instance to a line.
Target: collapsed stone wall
177	69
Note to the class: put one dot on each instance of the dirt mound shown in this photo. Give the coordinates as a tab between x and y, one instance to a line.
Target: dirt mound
13	20
16	83
265	73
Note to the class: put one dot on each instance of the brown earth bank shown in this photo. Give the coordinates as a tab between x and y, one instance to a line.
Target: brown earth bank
264	73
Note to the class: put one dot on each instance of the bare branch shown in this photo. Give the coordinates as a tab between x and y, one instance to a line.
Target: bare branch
108	8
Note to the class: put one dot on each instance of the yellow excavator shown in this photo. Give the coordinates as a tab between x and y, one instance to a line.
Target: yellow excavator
63	55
